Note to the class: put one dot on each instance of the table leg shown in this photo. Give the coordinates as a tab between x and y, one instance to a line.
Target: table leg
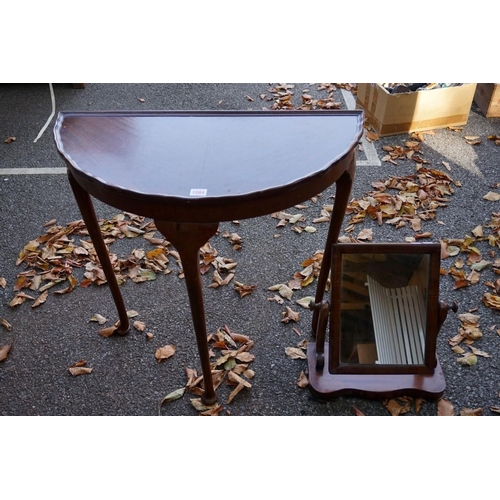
86	207
342	193
188	239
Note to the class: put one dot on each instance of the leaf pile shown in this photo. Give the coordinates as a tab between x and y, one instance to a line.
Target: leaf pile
404	200
282	96
231	365
52	259
311	268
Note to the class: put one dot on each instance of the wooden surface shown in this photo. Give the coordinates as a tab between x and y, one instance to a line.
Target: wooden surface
325	385
234	159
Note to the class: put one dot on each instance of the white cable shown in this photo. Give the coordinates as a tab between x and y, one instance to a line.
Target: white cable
52	97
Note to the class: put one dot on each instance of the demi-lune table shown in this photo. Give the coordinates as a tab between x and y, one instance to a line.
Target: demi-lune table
191	170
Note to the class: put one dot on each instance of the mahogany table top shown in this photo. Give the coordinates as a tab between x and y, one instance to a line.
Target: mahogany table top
206	166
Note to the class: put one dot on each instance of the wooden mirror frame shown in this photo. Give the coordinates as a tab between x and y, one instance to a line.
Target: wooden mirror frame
433	250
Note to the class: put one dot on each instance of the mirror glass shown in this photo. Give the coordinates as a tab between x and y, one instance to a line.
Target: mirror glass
383	300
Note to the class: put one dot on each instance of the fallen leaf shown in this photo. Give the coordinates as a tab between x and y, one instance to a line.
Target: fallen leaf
245	357
6	324
478	352
237	337
172	396
398	406
9	140
107	332
236	379
468	359
358	412
478	231
79	368
366	234
98	318
491	300
290	315
445	408
285	292
165	352
19	299
235	392
418	404
140	326
295	353
305	302
40	299
479	266
473	140
302	381
200	406
372	136
4	351
244	290
491	196
468	412
3	282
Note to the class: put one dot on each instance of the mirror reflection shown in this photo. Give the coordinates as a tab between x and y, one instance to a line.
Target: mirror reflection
383	308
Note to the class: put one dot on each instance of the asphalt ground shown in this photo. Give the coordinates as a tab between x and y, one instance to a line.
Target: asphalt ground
126	377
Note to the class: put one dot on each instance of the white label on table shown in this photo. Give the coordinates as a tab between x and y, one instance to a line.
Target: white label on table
198	192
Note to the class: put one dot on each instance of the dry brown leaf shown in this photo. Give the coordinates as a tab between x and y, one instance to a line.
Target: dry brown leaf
478	352
491	300
295	353
469	412
244	290
473	140
245	357
165	352
4	351
98	318
302	381
236	379
19	299
371	136
79	368
445	408
358	412
491	196
468	359
398	406
6	324
366	234
290	315
237	337
41	299
418	404
140	326
198	404
107	332
10	139
235	392
3	282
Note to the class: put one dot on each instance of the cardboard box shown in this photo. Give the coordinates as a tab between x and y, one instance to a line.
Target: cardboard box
391	114
487	97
